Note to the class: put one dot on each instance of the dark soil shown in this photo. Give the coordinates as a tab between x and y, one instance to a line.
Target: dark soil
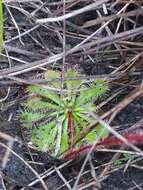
37	45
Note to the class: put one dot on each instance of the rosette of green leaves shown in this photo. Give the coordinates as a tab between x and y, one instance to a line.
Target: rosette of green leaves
49	111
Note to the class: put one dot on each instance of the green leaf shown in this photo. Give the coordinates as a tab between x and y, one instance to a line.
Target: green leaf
72	84
83	116
45	93
91	137
41	135
55	76
52	140
97	89
36	103
59	126
99	130
30	117
64	141
79	124
101	86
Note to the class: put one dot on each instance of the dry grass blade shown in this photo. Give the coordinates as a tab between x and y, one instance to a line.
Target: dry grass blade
2	184
34	172
10	144
109	18
73	13
63	179
47	173
137	92
107	168
6	137
7	154
30	66
101	43
94	175
109	40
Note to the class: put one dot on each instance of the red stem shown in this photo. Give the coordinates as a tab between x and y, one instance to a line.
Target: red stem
70	129
134	137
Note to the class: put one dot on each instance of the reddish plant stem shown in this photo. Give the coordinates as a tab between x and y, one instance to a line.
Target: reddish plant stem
70	130
134	137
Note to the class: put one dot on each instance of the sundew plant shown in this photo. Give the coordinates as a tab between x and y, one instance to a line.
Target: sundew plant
1	25
57	117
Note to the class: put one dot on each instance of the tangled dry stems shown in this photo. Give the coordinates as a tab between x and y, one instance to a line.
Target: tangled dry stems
113	35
